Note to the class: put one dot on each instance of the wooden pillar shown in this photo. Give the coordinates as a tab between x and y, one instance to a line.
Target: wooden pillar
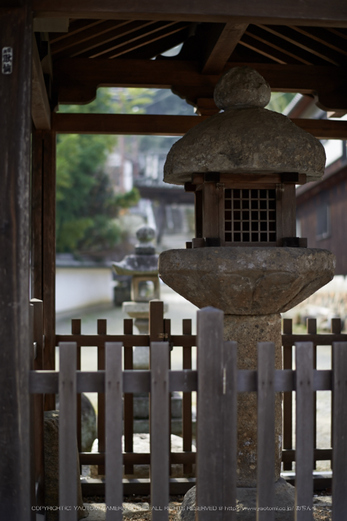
43	238
15	88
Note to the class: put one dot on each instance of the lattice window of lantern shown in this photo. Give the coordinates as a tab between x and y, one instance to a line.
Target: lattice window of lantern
250	215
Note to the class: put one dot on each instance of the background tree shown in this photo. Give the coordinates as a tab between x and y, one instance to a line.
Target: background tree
86	204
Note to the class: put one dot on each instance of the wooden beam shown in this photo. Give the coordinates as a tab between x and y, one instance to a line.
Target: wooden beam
40	108
223	43
323	128
77	81
132	124
51	25
15	336
333	13
124	124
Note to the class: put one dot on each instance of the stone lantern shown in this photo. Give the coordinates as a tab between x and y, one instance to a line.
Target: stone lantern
243	165
143	268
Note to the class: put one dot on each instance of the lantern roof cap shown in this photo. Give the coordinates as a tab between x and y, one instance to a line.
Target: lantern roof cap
144	261
245	137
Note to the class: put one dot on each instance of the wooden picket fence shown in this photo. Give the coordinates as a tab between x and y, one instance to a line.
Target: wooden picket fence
217	381
289	339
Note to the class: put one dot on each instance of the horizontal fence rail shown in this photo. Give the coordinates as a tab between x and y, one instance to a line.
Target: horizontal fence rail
184	380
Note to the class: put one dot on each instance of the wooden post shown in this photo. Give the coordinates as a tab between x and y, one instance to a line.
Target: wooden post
43	239
38	401
210	210
156	320
15	88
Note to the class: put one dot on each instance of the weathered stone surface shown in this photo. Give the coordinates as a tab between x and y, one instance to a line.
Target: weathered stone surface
88	423
242	87
51	467
246	138
246	281
247	331
246	503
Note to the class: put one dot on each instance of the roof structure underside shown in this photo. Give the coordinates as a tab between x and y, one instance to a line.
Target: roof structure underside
297	48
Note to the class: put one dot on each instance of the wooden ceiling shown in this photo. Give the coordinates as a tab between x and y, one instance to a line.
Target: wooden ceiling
86	44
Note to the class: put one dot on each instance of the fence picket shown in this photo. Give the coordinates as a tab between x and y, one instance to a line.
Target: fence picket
67	432
187	398
340	431
287	397
102	330
312	330
210	429
266	431
128	398
304	431
113	428
76	330
159	430
229	419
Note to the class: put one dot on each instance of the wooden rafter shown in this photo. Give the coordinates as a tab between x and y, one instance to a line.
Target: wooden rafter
278	40
325	37
144	39
269	50
303	42
220	47
131	124
87	39
158	47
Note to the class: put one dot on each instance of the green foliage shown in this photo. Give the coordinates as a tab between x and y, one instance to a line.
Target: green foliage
279	101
